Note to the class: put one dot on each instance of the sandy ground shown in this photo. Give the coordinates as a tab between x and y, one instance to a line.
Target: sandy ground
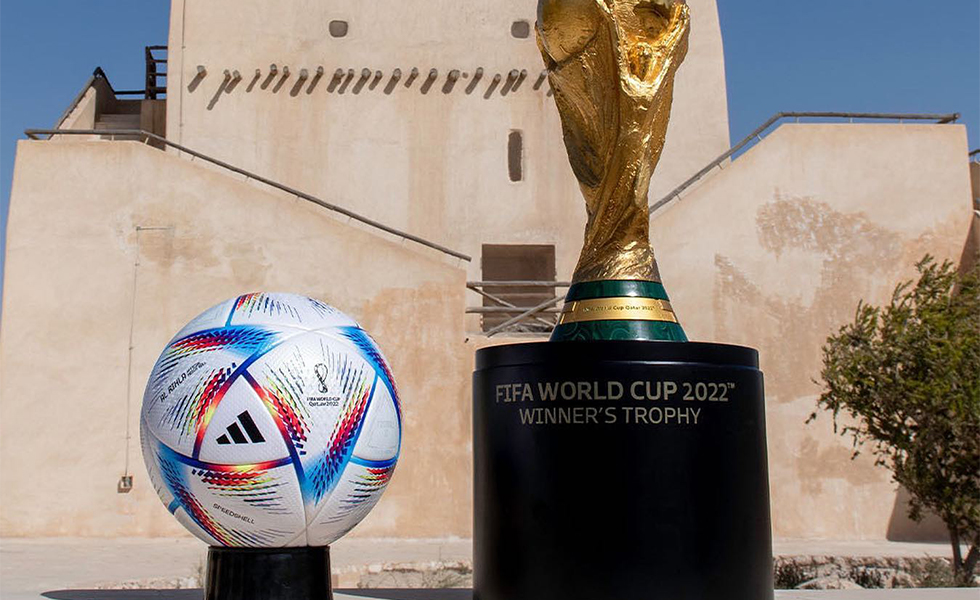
62	568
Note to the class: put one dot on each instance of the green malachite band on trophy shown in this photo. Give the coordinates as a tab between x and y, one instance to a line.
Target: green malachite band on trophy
615	289
586	331
585	317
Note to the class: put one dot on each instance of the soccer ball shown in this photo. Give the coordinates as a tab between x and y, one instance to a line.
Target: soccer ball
270	420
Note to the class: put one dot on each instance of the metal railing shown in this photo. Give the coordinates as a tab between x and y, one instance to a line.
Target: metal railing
139	133
152	77
154	74
97	74
539	318
756	136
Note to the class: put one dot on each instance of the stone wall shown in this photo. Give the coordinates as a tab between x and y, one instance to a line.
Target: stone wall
426	155
776	250
69	302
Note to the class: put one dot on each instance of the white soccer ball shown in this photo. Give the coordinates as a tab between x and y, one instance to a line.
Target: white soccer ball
270	420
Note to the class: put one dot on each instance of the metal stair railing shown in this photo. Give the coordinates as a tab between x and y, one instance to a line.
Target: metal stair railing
98	73
111	133
757	136
151	90
543	314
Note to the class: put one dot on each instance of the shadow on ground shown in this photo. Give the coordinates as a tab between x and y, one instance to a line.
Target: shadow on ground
124	595
416	594
377	594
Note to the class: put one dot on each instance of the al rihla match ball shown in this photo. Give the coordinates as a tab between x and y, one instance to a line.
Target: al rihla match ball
270	420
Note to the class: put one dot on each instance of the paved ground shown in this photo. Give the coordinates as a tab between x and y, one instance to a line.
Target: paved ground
63	569
467	595
859	548
29	567
880	595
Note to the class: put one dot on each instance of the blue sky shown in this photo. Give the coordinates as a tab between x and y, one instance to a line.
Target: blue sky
858	56
781	55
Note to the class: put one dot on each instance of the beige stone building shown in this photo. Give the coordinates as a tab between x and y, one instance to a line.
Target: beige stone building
436	124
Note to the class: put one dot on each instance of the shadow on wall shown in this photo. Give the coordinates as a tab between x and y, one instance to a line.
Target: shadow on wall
971	249
854	255
903	529
378	594
900	527
853	250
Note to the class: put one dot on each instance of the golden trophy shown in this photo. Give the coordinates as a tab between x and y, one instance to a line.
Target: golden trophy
611	64
604	469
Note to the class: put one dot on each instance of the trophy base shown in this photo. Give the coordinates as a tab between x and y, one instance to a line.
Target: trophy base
301	573
617	310
620	470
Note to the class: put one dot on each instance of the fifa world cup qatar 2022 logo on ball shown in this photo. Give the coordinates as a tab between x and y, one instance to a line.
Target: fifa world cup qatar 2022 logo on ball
270	420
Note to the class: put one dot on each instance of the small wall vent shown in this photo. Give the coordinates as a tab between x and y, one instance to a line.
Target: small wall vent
520	29
338	29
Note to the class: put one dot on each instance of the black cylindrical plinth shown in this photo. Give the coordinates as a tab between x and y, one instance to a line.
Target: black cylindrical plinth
268	574
621	471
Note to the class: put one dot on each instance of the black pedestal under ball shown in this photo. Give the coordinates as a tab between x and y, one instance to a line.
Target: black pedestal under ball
301	573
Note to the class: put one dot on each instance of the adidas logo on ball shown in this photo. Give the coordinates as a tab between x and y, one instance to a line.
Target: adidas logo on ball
236	433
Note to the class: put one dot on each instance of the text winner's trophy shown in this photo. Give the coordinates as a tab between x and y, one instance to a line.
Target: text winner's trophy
618	461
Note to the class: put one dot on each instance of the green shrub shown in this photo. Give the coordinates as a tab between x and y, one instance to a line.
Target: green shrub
907	377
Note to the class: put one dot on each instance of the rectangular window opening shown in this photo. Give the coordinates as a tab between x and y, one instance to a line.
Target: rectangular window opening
509	263
515	155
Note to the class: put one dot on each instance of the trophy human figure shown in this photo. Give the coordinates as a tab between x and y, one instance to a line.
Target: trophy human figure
611	64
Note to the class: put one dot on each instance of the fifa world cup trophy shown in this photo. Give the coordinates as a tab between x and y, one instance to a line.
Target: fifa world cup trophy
611	65
618	460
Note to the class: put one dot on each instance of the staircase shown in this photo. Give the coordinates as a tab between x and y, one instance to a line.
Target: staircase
116	122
